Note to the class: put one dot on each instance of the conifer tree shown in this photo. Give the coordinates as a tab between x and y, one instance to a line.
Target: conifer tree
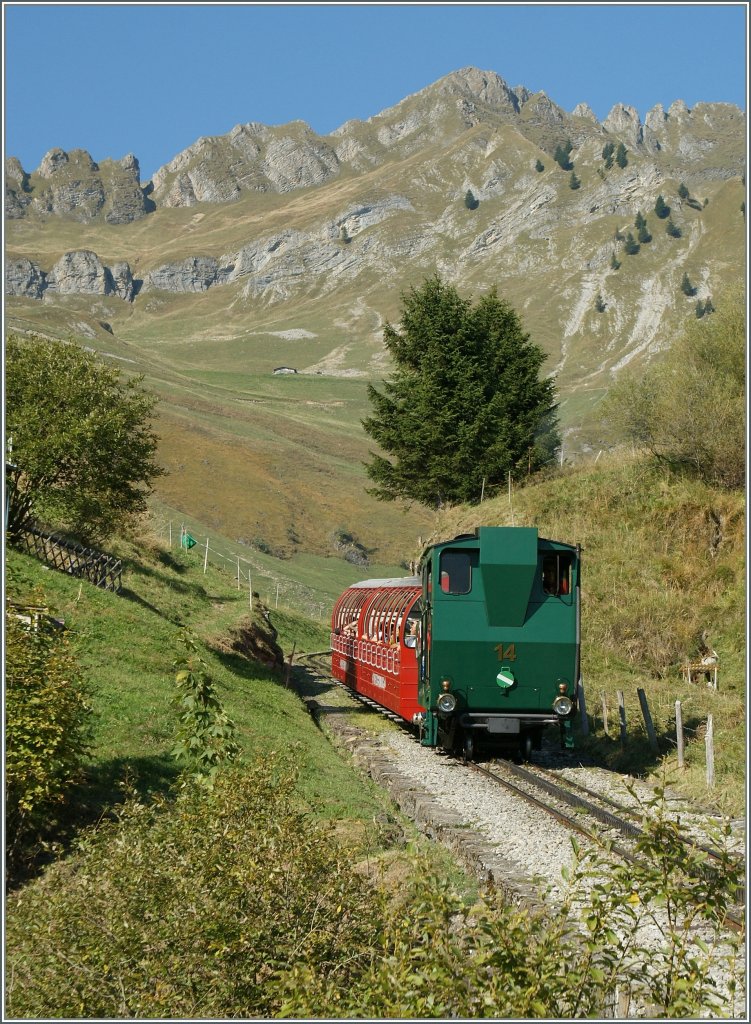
620	155
631	246
607	154
573	182
615	263
465	401
686	287
661	208
561	156
470	201
672	229
539	166
683	191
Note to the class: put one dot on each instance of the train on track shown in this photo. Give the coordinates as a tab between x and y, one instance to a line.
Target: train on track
480	649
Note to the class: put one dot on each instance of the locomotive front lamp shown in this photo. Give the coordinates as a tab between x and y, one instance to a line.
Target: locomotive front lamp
562	705
445	685
446	703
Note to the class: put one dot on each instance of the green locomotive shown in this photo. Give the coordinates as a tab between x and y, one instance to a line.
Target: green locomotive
499	645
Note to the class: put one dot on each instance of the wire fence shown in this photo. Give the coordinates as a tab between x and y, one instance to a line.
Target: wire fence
274	589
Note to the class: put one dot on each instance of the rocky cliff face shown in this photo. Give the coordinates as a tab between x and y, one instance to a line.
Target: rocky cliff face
256	158
72	184
75	273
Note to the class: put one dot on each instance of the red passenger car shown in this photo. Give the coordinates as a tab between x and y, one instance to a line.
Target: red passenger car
374	629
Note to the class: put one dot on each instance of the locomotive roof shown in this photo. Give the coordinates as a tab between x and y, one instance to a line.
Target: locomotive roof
397	581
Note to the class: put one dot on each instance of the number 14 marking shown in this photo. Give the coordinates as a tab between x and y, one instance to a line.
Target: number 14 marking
506	653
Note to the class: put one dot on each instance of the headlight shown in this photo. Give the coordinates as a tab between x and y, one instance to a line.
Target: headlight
562	706
446	703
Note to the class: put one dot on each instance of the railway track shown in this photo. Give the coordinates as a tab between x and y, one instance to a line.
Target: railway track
528	782
593	815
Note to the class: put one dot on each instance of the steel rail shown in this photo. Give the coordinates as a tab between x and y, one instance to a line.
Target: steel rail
732	920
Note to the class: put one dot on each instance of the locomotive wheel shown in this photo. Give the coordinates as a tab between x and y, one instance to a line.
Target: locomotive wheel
469	746
525	745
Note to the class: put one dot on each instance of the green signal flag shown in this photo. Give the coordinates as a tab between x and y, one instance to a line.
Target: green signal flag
188	541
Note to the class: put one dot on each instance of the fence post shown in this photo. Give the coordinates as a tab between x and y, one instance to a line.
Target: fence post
250	591
605	714
679	732
622	715
277	596
709	746
238	572
582	708
647	719
206	556
289	665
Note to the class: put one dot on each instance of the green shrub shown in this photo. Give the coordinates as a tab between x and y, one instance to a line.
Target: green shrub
206	736
569	962
190	909
47	729
229	903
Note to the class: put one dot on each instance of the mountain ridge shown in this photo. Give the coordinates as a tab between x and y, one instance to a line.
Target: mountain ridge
272	229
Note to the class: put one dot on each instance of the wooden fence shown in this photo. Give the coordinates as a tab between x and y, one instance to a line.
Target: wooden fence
102	570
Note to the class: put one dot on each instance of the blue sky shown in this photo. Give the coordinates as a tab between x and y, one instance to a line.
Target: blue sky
151	78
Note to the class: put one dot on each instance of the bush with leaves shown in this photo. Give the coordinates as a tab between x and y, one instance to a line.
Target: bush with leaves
191	909
622	930
206	737
230	903
689	408
47	729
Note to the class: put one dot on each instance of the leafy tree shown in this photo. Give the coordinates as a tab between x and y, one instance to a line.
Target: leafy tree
573	182
683	191
686	287
561	156
470	201
539	166
689	409
465	402
621	157
631	246
607	154
83	452
47	729
672	229
661	208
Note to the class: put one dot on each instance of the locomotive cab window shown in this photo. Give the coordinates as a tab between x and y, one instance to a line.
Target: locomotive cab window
456	572
556	575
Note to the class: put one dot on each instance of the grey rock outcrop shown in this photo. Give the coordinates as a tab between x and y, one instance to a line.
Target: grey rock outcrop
74	185
194	274
79	272
25	278
17	199
251	158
